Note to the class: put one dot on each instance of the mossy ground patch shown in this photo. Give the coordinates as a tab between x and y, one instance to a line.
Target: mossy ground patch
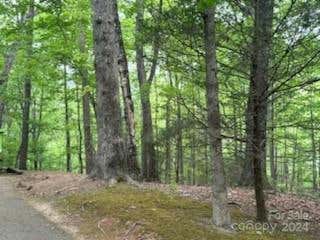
168	216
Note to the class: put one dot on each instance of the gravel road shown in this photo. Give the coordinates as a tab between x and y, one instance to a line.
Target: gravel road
19	221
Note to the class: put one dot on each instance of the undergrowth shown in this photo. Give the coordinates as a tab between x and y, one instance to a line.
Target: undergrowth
170	217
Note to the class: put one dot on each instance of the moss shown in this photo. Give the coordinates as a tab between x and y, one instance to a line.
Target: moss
170	217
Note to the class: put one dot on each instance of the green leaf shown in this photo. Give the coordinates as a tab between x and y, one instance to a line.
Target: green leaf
204	4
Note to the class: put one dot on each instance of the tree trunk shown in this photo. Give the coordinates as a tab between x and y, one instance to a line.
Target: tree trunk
235	132
132	163
206	159
34	133
109	152
79	132
9	59
295	157
66	118
86	116
168	159
241	150
247	175
23	149
168	144
236	155
273	168
285	163
314	152
300	176
193	157
319	164
221	215
246	178
260	62
149	163
36	129
179	149
156	126
2	111
193	145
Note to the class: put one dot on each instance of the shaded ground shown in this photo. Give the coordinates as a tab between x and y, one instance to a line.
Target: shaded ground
19	221
276	202
145	212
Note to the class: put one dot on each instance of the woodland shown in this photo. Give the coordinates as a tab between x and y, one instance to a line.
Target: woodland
218	93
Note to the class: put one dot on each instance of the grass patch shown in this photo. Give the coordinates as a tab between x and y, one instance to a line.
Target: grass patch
169	217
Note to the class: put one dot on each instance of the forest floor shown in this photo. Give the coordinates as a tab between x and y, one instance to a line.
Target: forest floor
90	210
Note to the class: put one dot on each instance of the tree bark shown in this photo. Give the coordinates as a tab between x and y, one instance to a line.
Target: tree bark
285	163
66	118
221	215
36	129
156	127
295	157
179	149
206	159
86	116
168	145
314	152
260	62
79	131
9	59
193	156
109	152
235	132
273	166
246	178
149	161
319	164
34	134
23	149
131	161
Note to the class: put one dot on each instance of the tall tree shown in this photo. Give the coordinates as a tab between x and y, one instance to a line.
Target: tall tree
149	161
36	128
179	148
84	75
246	178
167	143
260	62
221	215
9	59
109	152
273	165
79	130
131	161
23	149
314	150
319	164
67	119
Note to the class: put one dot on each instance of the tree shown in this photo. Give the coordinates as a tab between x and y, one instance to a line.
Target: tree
273	163
79	130
260	62
131	158
67	119
36	128
109	152
22	156
84	75
221	215
179	150
9	59
314	150
149	161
